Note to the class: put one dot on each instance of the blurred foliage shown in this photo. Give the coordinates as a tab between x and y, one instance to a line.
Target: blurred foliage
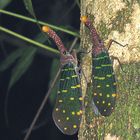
29	7
22	65
4	3
17	56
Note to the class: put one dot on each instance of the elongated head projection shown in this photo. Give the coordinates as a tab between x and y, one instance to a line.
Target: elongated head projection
68	108
103	78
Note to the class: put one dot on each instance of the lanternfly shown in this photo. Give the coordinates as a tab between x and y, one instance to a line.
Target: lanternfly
68	108
103	78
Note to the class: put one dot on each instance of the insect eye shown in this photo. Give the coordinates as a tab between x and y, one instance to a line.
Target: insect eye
65	52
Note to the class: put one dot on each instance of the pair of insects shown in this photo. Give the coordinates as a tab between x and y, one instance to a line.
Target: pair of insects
68	108
67	112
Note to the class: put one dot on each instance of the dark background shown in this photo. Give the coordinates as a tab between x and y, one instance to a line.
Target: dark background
27	94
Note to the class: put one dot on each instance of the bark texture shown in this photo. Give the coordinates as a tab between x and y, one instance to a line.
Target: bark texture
118	20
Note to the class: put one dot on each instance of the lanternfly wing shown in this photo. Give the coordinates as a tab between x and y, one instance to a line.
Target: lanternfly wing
104	84
68	109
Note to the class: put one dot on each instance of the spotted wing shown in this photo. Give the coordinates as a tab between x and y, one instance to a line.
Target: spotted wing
68	108
104	84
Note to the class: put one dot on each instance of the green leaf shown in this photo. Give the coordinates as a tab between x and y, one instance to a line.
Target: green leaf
23	64
29	7
4	3
78	3
25	56
11	59
76	34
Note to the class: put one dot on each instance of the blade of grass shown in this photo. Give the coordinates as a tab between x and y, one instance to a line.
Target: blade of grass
29	40
23	64
4	3
29	6
40	22
11	59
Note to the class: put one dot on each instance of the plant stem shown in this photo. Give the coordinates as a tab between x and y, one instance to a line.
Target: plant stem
28	40
40	22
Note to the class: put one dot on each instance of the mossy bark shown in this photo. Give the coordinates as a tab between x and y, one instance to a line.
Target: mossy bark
118	20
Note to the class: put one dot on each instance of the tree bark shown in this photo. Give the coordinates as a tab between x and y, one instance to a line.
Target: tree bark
118	20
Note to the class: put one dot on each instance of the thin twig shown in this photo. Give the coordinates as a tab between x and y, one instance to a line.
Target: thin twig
41	107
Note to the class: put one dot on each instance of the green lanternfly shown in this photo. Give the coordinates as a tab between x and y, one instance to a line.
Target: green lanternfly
68	108
103	78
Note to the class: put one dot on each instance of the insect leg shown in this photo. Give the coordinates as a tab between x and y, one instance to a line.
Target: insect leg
111	41
116	58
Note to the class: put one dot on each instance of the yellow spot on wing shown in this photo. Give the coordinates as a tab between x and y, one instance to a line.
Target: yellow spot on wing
107	85
106	65
99	58
73	113
108	95
71	98
101	78
71	69
109	104
97	102
95	77
60	101
67	118
98	67
103	102
73	87
74	76
65	69
64	111
98	86
94	94
79	112
56	109
78	86
64	91
114	95
80	98
62	79
68	78
65	128
100	94
74	126
108	75
114	83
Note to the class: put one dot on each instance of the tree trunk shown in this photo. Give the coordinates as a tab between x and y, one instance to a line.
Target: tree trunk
118	20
